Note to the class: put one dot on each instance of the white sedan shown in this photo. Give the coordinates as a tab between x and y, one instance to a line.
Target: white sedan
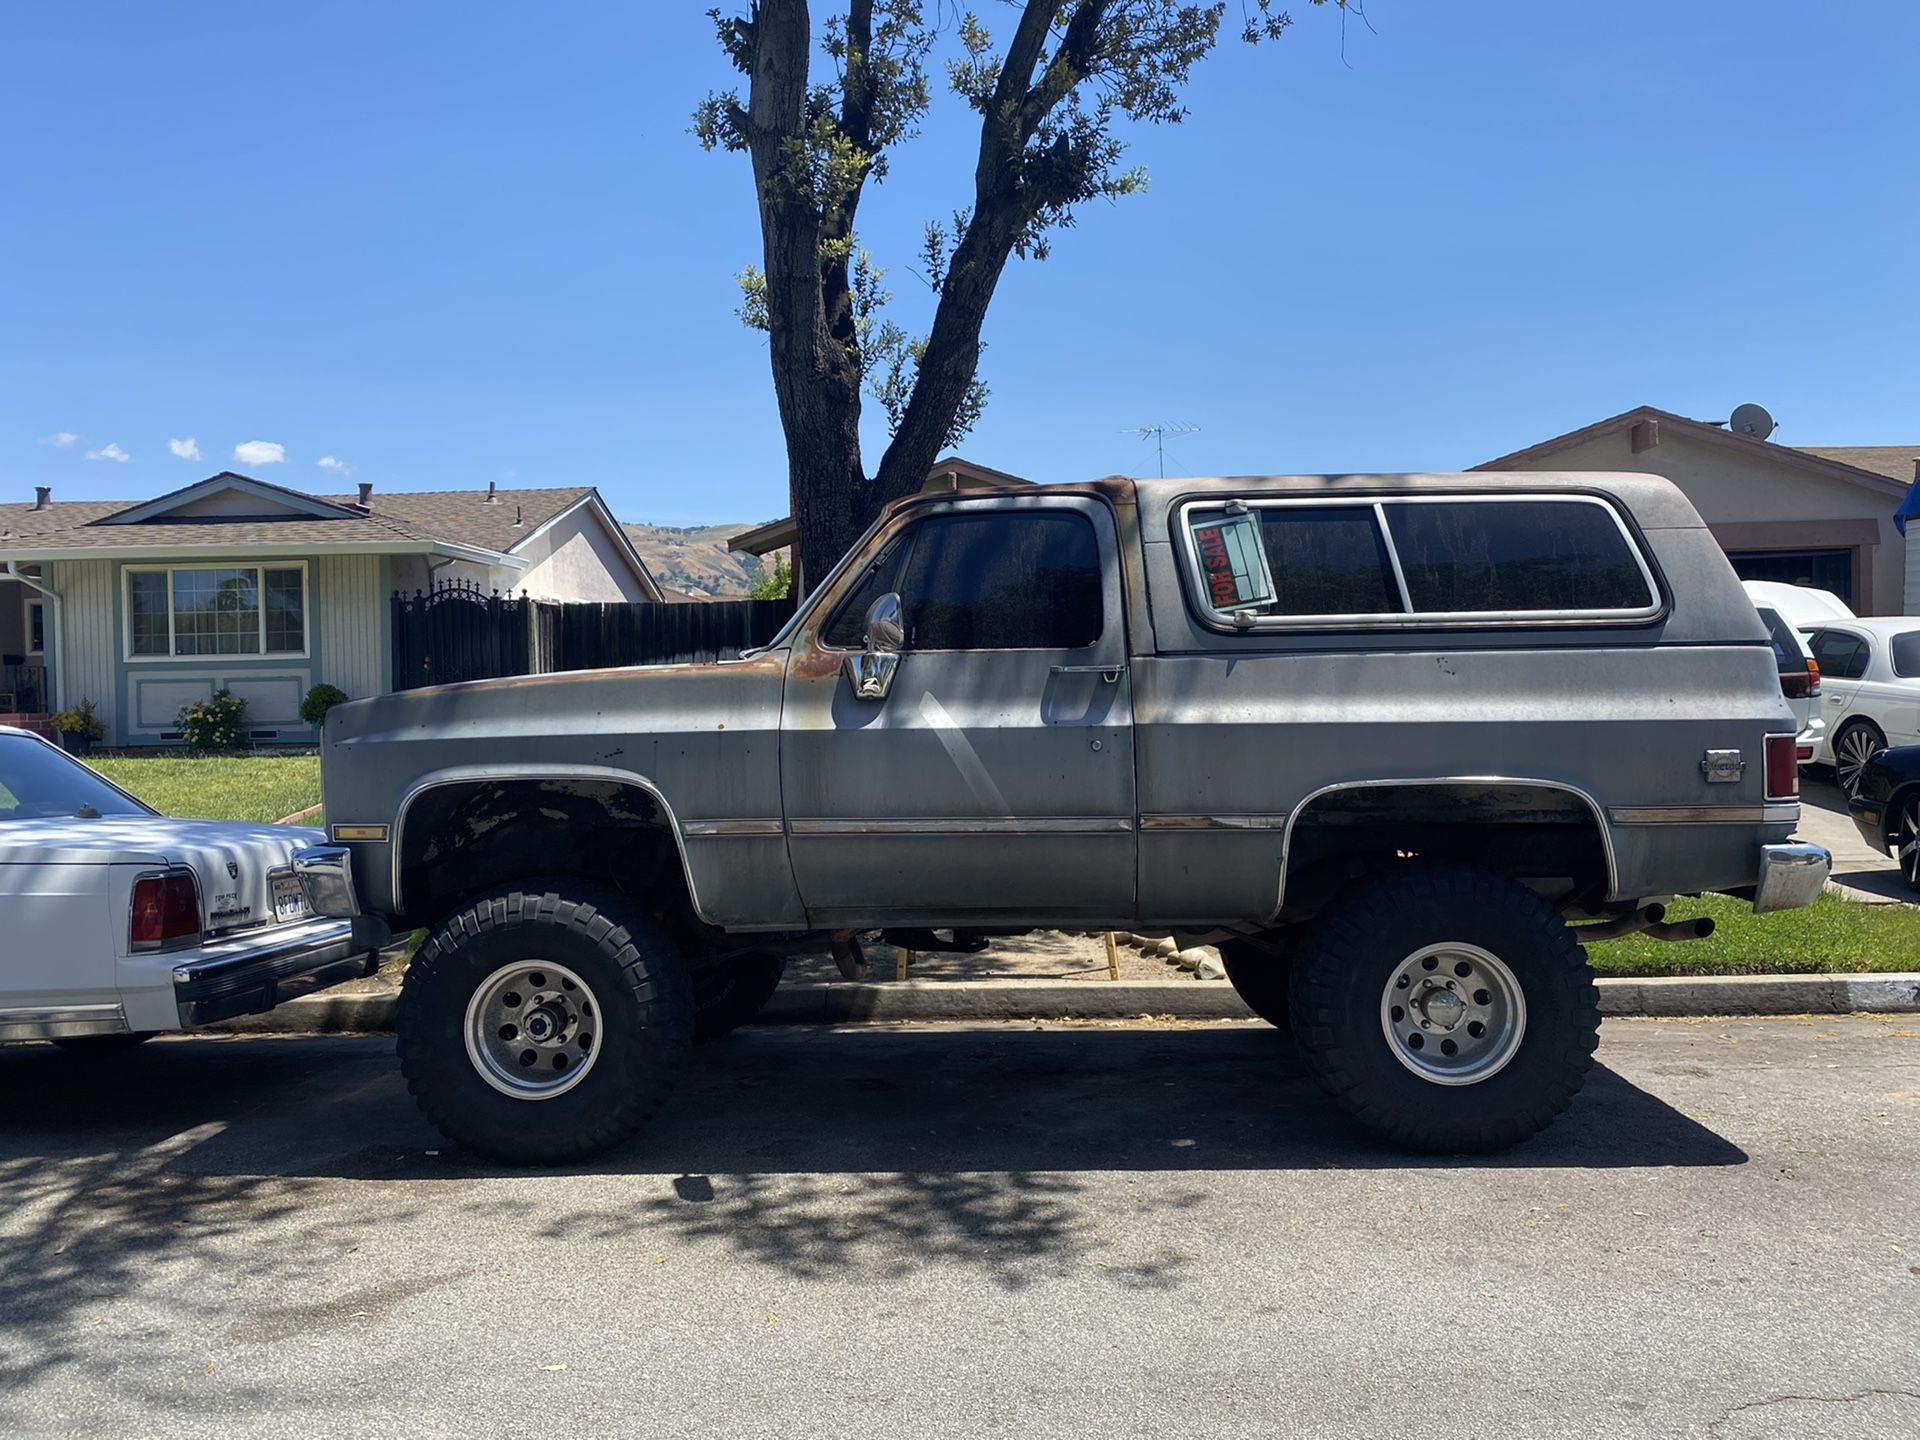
120	922
1869	690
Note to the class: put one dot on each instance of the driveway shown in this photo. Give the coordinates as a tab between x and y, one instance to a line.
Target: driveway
906	1231
1856	864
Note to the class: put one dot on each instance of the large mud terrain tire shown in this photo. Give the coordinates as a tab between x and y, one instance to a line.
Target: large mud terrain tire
1260	973
729	993
543	1026
1447	1008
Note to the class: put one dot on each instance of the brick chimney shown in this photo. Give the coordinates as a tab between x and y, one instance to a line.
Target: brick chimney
366	494
42	496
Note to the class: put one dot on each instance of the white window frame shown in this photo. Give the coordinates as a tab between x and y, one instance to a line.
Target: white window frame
259	567
1249	622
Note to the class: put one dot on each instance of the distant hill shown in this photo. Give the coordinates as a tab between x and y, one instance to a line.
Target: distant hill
695	559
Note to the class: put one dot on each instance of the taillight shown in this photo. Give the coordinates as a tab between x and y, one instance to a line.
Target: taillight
1783	767
1813	676
166	908
1798	684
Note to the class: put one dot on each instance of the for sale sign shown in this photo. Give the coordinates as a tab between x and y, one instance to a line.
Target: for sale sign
1233	562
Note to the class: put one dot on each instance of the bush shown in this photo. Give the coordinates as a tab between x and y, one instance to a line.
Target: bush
216	724
319	701
772	584
81	721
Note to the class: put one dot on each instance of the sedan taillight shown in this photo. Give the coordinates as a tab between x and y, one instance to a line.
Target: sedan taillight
166	910
1813	676
1783	767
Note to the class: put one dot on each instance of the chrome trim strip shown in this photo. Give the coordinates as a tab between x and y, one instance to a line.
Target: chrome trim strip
728	829
1703	814
1010	825
1214	822
48	1022
1599	815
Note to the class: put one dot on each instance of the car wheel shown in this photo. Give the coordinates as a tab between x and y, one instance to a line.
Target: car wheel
1858	742
1258	971
103	1046
541	1027
1445	1007
1906	840
729	993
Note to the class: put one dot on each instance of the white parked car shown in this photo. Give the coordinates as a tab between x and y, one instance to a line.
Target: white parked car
1801	606
1869	690
120	922
1799	681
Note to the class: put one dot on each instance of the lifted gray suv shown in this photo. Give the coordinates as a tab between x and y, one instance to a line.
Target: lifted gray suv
1379	737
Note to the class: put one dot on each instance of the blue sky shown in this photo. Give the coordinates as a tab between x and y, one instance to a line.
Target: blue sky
447	244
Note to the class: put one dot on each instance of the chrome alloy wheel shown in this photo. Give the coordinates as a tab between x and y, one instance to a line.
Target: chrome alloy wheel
1850	757
533	1030
1906	841
1453	1013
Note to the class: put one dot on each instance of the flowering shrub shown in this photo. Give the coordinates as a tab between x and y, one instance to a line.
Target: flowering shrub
216	724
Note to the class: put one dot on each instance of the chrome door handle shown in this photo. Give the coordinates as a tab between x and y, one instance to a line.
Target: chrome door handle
1109	673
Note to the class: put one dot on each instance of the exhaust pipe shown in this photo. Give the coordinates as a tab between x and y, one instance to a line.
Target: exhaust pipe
1647	920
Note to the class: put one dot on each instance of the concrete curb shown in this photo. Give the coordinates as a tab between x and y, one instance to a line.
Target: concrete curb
922	1000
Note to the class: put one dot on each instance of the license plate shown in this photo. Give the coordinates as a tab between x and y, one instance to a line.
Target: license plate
289	900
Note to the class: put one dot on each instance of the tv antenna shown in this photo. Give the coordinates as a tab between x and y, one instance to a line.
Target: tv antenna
1158	434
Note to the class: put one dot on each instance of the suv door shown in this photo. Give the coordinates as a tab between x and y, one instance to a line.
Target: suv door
993	782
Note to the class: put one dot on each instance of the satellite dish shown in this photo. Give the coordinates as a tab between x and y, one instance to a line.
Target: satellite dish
1751	420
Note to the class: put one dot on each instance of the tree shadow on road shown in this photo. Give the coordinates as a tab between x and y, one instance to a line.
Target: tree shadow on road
258	1164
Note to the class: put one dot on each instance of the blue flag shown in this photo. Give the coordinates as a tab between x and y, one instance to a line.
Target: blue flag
1909	507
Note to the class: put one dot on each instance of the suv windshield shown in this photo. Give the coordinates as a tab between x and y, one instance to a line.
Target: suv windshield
37	782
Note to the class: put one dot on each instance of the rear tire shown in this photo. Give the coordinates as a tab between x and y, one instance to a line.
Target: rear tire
729	993
576	978
1906	840
1260	973
1512	1014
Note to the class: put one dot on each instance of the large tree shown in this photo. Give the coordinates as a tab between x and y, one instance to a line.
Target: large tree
1051	101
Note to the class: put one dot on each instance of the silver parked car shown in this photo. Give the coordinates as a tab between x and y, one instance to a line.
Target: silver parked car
1379	736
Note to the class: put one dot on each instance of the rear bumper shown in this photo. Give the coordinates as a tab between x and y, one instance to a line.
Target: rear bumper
257	972
1791	876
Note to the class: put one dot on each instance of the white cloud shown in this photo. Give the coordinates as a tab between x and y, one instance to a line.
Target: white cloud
63	439
187	449
335	464
110	452
259	452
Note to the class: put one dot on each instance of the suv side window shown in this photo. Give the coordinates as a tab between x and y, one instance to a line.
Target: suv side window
1329	561
1515	555
1002	580
1840	655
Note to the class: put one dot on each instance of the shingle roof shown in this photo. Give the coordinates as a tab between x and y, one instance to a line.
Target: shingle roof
1896	462
424	518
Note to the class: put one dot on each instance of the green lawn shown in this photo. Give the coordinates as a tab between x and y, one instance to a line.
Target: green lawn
218	787
1830	935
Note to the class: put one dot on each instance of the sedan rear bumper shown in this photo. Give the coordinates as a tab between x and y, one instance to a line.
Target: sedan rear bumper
256	972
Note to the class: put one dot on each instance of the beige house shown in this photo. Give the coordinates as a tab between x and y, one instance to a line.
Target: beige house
1820	515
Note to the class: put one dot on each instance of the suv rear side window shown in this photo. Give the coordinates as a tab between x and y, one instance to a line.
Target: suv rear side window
1006	580
1515	555
1840	655
1329	561
1473	560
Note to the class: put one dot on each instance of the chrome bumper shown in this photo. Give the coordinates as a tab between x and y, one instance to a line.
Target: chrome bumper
1790	876
252	975
326	876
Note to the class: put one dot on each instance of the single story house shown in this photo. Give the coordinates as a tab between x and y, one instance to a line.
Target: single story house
237	584
1809	514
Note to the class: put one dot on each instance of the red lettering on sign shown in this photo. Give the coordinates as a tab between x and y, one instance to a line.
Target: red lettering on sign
1218	566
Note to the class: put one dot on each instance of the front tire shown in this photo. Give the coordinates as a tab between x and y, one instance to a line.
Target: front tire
1858	742
542	1027
1906	840
1446	1008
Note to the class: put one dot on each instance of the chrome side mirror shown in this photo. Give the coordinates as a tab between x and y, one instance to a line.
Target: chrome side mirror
871	671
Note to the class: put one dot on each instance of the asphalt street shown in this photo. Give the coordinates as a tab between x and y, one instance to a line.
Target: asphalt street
907	1231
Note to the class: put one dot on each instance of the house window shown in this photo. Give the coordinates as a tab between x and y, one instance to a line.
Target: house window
36	627
188	610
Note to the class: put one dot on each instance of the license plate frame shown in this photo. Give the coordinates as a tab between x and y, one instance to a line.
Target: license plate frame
289	900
